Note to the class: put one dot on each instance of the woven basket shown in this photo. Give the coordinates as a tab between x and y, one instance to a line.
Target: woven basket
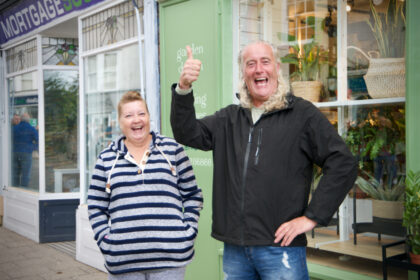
387	209
309	90
386	77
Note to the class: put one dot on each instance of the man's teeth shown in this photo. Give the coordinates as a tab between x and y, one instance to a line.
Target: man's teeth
261	80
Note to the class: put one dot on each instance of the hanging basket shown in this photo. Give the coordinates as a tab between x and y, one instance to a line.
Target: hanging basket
309	90
385	77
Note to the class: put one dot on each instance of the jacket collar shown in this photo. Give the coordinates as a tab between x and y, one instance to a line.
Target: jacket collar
289	103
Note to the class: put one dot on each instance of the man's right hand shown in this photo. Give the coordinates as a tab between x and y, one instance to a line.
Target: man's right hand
190	72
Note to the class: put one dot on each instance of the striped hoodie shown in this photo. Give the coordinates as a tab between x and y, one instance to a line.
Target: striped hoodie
144	216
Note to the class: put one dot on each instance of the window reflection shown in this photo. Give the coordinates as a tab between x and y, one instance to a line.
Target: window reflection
61	141
376	136
108	76
24	156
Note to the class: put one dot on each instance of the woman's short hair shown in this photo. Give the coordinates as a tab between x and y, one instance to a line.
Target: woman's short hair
128	97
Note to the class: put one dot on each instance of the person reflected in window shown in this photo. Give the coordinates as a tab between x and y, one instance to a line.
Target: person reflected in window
25	142
264	150
143	200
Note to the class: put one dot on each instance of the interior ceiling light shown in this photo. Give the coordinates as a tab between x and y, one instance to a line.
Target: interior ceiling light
377	2
350	5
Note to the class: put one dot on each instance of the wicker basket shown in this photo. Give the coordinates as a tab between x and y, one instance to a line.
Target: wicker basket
386	77
309	90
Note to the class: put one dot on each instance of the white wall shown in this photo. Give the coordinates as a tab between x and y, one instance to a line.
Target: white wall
21	212
86	249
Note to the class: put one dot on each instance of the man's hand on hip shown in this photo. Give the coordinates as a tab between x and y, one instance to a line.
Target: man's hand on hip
289	230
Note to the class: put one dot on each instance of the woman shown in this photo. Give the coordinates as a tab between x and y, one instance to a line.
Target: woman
143	200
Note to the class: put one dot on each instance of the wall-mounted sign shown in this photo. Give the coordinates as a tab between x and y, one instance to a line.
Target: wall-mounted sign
28	15
25	100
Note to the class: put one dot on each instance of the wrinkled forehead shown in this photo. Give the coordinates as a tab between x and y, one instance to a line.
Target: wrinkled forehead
257	51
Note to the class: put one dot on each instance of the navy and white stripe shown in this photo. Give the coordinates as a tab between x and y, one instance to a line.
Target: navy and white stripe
148	220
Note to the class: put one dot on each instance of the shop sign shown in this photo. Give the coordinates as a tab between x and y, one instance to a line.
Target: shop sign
28	15
25	100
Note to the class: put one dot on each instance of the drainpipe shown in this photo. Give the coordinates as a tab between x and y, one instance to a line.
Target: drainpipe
140	49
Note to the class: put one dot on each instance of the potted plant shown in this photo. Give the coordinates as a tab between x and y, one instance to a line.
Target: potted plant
387	199
386	73
307	60
411	217
381	132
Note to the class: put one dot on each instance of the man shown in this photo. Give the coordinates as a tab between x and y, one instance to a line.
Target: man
25	141
264	150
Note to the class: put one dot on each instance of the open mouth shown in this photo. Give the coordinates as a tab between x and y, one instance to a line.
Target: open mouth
261	81
137	128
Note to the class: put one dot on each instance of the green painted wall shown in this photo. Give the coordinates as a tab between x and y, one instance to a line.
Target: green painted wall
201	24
412	91
413	86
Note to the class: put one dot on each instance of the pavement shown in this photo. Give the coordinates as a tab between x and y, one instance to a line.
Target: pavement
24	259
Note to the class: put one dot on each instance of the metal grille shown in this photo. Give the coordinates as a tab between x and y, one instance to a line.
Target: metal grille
21	57
110	26
58	51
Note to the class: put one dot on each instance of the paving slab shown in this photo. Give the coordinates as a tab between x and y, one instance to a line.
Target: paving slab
24	259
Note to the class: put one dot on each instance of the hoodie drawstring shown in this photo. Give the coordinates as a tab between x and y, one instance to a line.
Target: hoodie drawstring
108	181
169	162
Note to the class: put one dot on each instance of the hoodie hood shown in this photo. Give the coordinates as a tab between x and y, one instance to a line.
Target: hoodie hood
119	146
121	150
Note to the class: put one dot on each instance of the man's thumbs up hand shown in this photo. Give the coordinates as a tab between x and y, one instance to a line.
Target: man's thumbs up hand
191	70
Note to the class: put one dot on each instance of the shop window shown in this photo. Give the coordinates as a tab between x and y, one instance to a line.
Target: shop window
22	86
61	125
102	100
304	33
24	141
111	67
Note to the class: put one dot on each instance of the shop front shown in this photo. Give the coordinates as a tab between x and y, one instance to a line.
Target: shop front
64	66
352	59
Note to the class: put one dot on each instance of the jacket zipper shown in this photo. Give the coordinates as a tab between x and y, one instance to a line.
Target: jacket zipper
257	152
248	148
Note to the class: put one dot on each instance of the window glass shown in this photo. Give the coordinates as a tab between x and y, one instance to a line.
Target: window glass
23	108
305	34
103	94
376	136
376	49
21	57
59	51
61	126
110	26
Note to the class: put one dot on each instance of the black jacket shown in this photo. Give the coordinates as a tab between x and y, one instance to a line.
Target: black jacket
262	173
